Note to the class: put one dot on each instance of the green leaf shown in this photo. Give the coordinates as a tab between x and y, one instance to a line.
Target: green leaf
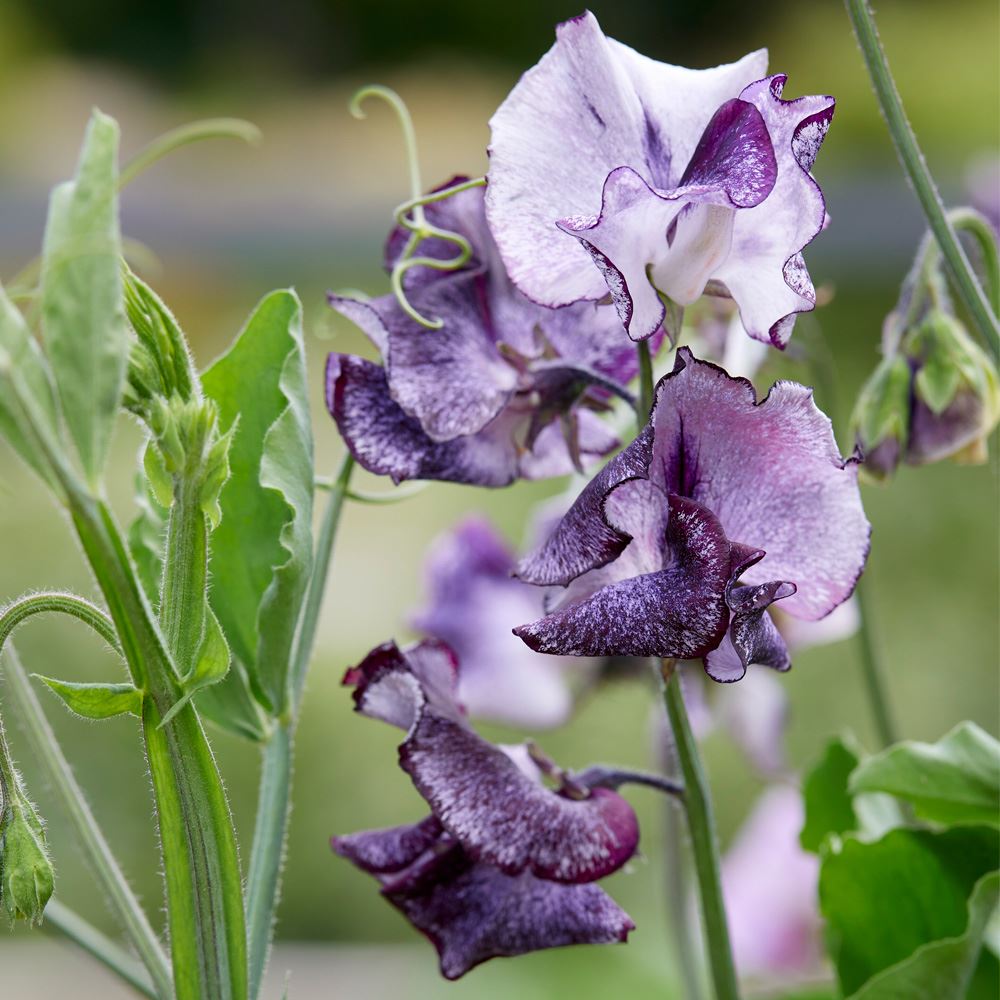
829	807
96	701
883	901
944	970
23	369
83	314
230	705
956	780
262	549
211	666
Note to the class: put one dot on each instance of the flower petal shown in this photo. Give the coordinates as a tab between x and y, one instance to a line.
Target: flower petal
472	913
387	442
505	819
771	472
384	852
765	272
756	714
679	611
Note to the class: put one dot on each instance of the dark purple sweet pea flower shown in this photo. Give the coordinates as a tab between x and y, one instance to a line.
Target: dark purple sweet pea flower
721	506
504	864
473	598
504	389
666	177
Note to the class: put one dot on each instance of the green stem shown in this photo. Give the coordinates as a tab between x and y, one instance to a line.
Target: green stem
46	750
871	665
959	268
704	842
274	795
645	404
72	926
57	602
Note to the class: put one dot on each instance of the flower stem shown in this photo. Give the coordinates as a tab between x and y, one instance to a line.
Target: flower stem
704	842
872	668
274	794
46	749
91	940
959	268
645	404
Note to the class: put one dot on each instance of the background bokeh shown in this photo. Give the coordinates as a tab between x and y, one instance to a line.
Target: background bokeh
221	224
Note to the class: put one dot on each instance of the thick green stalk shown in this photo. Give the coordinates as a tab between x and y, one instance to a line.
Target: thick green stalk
872	669
274	795
704	842
72	926
959	268
46	750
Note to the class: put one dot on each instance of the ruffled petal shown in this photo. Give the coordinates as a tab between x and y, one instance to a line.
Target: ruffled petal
452	380
679	611
472	913
765	272
505	819
388	442
771	472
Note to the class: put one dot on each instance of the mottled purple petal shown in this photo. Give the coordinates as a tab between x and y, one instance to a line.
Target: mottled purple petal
386	441
679	611
506	819
452	380
383	852
771	472
765	272
474	913
753	636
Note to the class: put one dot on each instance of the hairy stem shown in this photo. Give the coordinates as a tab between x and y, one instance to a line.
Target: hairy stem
72	926
46	750
959	268
704	842
275	792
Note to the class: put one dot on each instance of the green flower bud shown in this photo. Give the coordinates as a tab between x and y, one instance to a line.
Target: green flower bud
26	875
881	418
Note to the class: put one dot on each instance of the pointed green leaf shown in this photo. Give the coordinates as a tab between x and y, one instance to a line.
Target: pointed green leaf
956	780
83	313
262	549
23	368
829	808
943	970
231	706
96	701
883	901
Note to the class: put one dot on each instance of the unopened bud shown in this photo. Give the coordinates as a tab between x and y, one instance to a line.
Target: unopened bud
26	875
881	418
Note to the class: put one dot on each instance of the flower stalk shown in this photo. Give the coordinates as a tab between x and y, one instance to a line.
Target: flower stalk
912	158
704	840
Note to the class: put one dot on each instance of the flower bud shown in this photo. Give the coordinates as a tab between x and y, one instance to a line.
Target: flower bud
881	418
26	875
956	395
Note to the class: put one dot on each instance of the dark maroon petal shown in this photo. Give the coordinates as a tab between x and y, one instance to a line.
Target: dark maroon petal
505	818
383	852
473	913
387	442
678	612
584	539
753	636
772	474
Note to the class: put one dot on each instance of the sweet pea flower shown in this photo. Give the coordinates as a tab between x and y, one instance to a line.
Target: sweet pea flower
721	506
664	178
473	599
504	389
770	886
503	865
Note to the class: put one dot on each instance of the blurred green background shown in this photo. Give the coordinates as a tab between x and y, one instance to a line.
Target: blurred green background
224	224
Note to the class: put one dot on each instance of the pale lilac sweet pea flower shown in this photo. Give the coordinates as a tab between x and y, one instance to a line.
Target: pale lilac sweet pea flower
720	507
473	599
503	865
770	887
666	177
505	389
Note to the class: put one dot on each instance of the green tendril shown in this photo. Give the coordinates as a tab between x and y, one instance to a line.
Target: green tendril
410	214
